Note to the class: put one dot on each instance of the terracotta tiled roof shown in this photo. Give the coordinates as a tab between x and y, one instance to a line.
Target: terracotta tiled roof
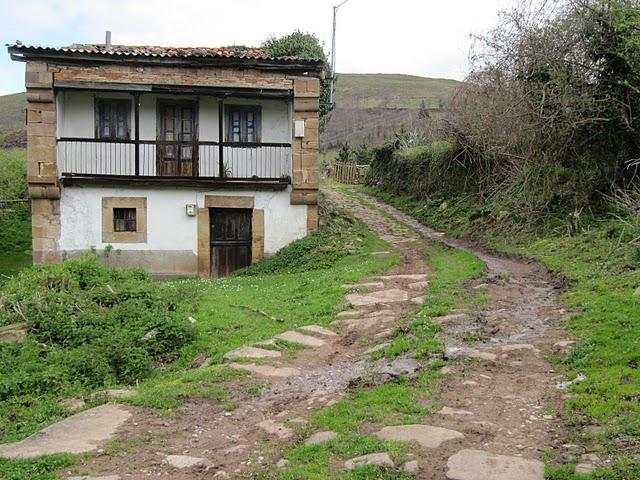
158	51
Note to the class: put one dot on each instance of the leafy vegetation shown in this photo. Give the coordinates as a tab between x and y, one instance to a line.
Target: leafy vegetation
41	468
305	45
89	327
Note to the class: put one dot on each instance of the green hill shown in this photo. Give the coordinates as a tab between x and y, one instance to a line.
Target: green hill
381	90
12	124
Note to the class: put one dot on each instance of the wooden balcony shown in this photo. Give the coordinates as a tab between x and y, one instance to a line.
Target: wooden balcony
85	160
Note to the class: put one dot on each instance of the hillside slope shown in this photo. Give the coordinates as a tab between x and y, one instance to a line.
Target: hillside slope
371	107
12	127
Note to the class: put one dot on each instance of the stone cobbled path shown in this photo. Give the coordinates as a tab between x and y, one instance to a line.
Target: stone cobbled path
493	411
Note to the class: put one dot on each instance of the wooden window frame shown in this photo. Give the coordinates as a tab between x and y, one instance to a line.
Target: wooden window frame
243	109
128	224
109	235
113	102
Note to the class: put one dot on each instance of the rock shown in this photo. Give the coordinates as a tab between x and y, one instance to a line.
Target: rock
584	468
564	344
221	474
79	433
296	337
480	465
282	463
275	428
590	458
16	332
418	285
519	346
425	435
418	300
72	404
411	467
564	385
251	352
184	461
470	383
453	353
380	313
191	320
382	296
377	348
91	477
357	286
447	370
150	335
482	285
114	393
318	330
320	437
451	318
417	277
453	411
382	459
350	314
266	370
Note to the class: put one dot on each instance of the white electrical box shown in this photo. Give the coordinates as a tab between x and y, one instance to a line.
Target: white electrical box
191	209
299	128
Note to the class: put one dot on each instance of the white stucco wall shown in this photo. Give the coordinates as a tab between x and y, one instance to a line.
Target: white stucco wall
168	226
76	112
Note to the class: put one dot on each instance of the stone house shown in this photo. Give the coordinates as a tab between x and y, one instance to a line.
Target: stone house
184	161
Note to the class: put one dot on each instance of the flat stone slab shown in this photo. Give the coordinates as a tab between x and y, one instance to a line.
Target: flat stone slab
297	337
382	459
418	285
425	435
352	286
417	277
275	428
418	300
519	346
320	437
184	461
393	295
480	465
350	314
77	434
266	370
317	329
454	352
89	477
251	352
453	411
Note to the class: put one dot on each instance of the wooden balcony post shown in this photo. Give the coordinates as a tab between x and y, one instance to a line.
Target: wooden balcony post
220	138
136	109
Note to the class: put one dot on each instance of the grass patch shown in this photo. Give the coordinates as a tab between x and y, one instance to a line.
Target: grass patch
41	468
602	267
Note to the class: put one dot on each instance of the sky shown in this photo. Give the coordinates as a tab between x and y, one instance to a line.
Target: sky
419	37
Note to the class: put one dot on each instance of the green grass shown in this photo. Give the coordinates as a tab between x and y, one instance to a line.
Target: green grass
15	218
41	468
602	267
393	403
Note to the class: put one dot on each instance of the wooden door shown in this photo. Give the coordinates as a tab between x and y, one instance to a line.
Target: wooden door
177	149
230	240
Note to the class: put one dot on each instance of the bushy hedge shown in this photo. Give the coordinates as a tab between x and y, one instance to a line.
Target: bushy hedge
418	171
88	327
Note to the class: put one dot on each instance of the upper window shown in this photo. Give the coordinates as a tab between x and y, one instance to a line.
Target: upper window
124	220
244	124
112	119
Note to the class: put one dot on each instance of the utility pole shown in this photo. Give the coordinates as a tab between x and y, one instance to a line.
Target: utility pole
333	51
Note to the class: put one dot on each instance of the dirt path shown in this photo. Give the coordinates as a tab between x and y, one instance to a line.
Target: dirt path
502	383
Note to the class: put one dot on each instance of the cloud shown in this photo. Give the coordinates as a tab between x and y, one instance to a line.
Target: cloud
402	36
